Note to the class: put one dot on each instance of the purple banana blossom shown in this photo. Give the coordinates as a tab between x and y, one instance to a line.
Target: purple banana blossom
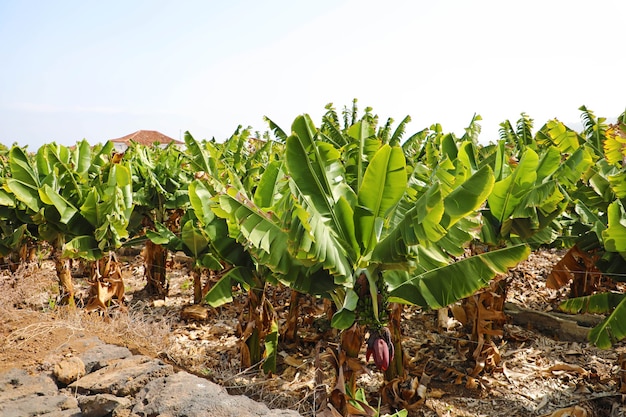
379	345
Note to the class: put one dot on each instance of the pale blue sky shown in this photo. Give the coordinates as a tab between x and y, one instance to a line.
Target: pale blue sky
102	69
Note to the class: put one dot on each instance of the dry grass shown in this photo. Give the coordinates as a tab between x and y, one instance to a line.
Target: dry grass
29	314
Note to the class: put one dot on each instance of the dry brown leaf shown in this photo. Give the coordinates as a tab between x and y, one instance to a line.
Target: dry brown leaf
105	290
407	393
565	367
365	410
511	375
577	265
436	393
337	399
246	361
291	361
472	383
194	312
478	368
458	312
329	411
575	411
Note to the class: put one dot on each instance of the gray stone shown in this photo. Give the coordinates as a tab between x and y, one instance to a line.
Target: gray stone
69	370
183	394
123	376
101	405
35	405
108	392
23	395
17	383
100	356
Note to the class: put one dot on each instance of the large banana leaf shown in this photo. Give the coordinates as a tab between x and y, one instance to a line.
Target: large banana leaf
52	197
508	193
420	224
443	286
317	179
557	134
108	206
384	183
70	166
358	151
618	184
613	328
193	239
221	292
161	235
215	228
259	231
595	129
199	156
269	188
572	169
6	199
468	196
24	182
83	247
432	217
614	235
315	175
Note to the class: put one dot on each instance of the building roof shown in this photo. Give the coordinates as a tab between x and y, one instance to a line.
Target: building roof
147	137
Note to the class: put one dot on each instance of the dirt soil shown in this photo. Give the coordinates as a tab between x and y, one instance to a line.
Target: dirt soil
528	372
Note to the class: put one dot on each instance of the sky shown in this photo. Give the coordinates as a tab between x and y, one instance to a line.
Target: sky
99	70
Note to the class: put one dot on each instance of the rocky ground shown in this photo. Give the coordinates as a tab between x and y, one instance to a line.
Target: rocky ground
538	367
108	380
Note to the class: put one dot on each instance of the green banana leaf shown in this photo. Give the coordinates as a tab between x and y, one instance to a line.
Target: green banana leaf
83	247
6	199
221	292
467	197
384	183
267	240
317	178
433	217
51	197
611	329
443	286
557	134
614	236
24	182
193	239
508	193
269	187
271	348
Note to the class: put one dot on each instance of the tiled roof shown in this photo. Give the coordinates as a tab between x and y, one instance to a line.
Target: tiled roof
146	137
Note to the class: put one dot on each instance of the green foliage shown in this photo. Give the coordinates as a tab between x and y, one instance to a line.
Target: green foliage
443	286
612	328
347	206
314	208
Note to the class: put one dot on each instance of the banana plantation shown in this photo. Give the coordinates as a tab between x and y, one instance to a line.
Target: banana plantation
353	214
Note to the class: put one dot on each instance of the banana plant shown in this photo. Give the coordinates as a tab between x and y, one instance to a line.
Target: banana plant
534	184
62	172
105	213
160	195
204	237
603	216
81	203
369	227
18	233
